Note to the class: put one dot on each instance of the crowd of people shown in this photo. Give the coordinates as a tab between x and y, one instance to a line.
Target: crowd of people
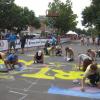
12	37
87	40
86	61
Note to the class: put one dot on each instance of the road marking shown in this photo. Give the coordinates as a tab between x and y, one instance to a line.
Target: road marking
33	83
28	81
23	97
17	92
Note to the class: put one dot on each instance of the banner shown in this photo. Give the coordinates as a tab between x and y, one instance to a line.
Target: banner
29	43
3	45
36	42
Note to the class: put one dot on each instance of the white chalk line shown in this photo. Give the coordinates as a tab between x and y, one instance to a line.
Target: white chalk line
23	97
28	91
17	92
28	81
33	83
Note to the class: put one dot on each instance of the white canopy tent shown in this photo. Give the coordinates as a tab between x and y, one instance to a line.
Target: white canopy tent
71	33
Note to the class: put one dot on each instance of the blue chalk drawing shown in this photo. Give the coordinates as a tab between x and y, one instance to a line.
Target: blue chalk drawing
71	92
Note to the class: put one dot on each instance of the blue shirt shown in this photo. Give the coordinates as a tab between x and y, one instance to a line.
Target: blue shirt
53	40
11	57
12	38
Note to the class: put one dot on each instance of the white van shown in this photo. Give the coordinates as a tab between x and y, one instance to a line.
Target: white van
36	35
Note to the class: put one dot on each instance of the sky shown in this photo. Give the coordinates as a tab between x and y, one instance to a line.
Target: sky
40	7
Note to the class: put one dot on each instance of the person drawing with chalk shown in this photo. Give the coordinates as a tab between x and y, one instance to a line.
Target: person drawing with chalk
69	54
93	74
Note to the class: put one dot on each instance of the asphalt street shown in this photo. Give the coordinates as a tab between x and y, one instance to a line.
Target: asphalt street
52	80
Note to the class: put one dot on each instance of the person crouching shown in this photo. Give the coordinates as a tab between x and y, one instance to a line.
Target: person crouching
69	54
93	74
92	54
83	61
39	57
11	60
58	51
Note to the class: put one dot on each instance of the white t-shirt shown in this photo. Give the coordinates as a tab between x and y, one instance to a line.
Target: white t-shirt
82	57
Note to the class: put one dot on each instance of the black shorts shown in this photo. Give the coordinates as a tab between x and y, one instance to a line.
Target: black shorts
22	44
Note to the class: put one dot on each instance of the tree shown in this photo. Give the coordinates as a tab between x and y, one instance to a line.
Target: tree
15	17
91	15
5	6
65	20
81	31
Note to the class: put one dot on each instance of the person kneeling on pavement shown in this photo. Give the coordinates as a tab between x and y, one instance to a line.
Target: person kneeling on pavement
92	53
84	60
69	54
93	74
11	60
58	51
39	57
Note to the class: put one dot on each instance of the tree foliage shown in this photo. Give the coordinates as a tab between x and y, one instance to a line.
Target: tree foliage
91	15
66	20
13	16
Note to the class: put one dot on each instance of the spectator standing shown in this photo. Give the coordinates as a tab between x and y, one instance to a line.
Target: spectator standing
93	40
53	41
11	41
88	40
82	40
47	44
98	41
23	41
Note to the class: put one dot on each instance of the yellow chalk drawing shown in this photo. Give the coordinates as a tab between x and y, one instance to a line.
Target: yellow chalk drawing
1	62
57	64
6	77
68	75
30	55
27	63
41	74
44	73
